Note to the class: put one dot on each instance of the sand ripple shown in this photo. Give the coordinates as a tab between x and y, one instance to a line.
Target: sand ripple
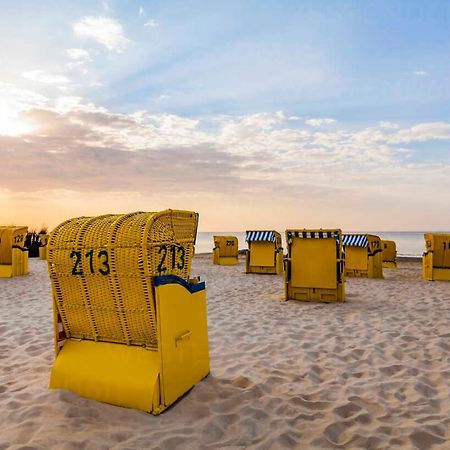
372	373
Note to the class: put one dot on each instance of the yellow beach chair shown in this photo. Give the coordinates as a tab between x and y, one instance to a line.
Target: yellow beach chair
13	254
314	268
43	237
436	259
265	252
130	328
226	250
363	255
389	253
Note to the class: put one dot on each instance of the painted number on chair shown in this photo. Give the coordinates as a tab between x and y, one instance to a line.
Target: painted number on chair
177	254
230	243
98	264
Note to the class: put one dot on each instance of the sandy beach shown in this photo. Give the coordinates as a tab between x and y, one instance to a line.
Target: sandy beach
373	373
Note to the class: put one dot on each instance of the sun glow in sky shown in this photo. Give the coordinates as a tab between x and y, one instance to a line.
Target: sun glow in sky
255	114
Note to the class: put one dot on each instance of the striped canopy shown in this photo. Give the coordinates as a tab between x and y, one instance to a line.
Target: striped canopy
260	236
355	240
313	234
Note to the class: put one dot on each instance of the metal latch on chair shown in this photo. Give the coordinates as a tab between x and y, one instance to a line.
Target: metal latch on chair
185	336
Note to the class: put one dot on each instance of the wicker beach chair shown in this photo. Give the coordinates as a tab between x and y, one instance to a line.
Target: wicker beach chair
13	253
314	268
130	327
363	255
436	258
265	252
226	250
389	253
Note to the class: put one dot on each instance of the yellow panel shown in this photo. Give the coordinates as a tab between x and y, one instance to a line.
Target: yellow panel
228	260
43	253
183	330
389	251
262	253
112	373
6	271
441	274
356	258
227	245
314	263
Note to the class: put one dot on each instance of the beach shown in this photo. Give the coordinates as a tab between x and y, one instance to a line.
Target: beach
372	373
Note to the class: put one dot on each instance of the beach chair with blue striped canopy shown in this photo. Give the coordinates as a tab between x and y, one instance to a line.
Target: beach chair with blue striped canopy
314	269
363	255
265	252
436	258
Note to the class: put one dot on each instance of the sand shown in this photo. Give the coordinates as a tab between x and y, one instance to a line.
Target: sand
373	373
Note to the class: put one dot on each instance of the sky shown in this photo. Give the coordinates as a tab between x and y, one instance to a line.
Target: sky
256	114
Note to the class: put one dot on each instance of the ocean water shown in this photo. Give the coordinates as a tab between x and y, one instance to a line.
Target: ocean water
409	243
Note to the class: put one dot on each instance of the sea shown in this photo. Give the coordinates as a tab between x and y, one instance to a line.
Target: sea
409	243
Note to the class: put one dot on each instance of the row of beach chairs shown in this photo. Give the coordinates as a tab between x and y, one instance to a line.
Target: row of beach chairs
265	252
130	324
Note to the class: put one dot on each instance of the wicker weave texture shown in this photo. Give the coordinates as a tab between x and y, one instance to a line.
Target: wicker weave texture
101	270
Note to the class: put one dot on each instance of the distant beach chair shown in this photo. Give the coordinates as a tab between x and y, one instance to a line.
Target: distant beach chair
130	328
13	253
389	254
265	252
363	255
436	258
226	250
43	237
314	268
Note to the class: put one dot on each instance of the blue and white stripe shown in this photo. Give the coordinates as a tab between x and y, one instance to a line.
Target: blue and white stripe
355	240
313	234
268	236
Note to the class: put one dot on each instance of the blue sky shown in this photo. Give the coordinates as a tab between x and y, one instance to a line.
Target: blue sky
356	90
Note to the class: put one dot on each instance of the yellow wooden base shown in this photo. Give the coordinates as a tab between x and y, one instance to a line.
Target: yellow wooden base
316	294
263	270
133	376
227	261
355	273
437	275
119	374
18	267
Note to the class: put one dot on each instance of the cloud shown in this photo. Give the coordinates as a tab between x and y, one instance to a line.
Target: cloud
141	11
422	132
40	76
151	24
80	55
386	124
420	73
319	122
104	30
80	147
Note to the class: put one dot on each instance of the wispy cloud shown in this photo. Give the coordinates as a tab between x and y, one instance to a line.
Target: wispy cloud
319	122
151	24
40	76
78	54
106	31
387	124
420	73
141	11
